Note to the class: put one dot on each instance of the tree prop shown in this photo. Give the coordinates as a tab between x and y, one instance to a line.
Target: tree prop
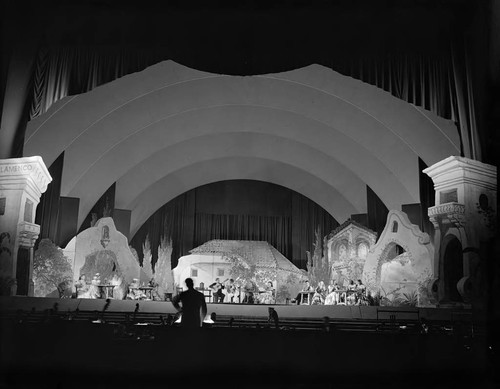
51	269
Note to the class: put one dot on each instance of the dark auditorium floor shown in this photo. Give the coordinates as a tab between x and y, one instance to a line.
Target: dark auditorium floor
72	354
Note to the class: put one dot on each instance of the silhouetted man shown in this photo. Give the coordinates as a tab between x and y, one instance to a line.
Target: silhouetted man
194	308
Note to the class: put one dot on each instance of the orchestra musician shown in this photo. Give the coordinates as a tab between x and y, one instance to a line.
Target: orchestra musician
217	287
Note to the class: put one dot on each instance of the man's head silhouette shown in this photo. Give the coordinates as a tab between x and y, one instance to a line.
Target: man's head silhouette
189	283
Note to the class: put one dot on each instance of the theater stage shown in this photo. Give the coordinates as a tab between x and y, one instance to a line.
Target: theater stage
10	304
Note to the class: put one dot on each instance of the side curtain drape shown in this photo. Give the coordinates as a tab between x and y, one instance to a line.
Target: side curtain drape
105	204
377	212
427	197
47	211
438	82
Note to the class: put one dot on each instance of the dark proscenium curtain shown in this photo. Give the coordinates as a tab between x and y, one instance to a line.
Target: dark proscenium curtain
276	229
47	211
237	210
107	200
377	212
173	220
427	197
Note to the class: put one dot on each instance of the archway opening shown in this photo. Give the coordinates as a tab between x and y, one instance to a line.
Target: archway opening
453	265
393	252
237	210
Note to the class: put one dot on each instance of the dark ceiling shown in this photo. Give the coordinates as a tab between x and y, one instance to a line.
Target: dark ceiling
246	37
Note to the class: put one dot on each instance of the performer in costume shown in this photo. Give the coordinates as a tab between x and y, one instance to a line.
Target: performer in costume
134	293
361	293
351	293
155	295
82	289
329	295
307	288
268	296
319	294
217	287
230	291
333	296
94	290
120	289
250	288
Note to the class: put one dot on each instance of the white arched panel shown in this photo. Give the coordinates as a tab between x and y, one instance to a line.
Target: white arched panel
358	164
222	169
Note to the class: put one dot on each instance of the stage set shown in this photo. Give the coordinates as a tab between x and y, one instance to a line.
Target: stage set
351	274
325	174
348	269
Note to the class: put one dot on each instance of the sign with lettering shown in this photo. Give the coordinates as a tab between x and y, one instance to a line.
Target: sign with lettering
24	168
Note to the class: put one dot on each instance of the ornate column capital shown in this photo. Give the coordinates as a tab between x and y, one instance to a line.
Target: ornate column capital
449	213
28	234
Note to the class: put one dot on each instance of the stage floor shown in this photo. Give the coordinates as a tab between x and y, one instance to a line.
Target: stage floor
240	310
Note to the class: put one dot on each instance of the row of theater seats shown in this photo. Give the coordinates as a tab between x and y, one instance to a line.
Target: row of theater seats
393	324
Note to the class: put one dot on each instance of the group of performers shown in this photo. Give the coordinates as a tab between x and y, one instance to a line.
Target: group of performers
115	288
229	292
352	294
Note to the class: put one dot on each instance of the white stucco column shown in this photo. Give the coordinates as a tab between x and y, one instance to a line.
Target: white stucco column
22	182
466	196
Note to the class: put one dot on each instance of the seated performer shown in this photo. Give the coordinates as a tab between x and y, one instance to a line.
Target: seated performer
231	291
249	290
351	293
361	293
333	296
134	293
307	288
155	294
319	294
82	289
217	287
94	290
119	290
268	296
